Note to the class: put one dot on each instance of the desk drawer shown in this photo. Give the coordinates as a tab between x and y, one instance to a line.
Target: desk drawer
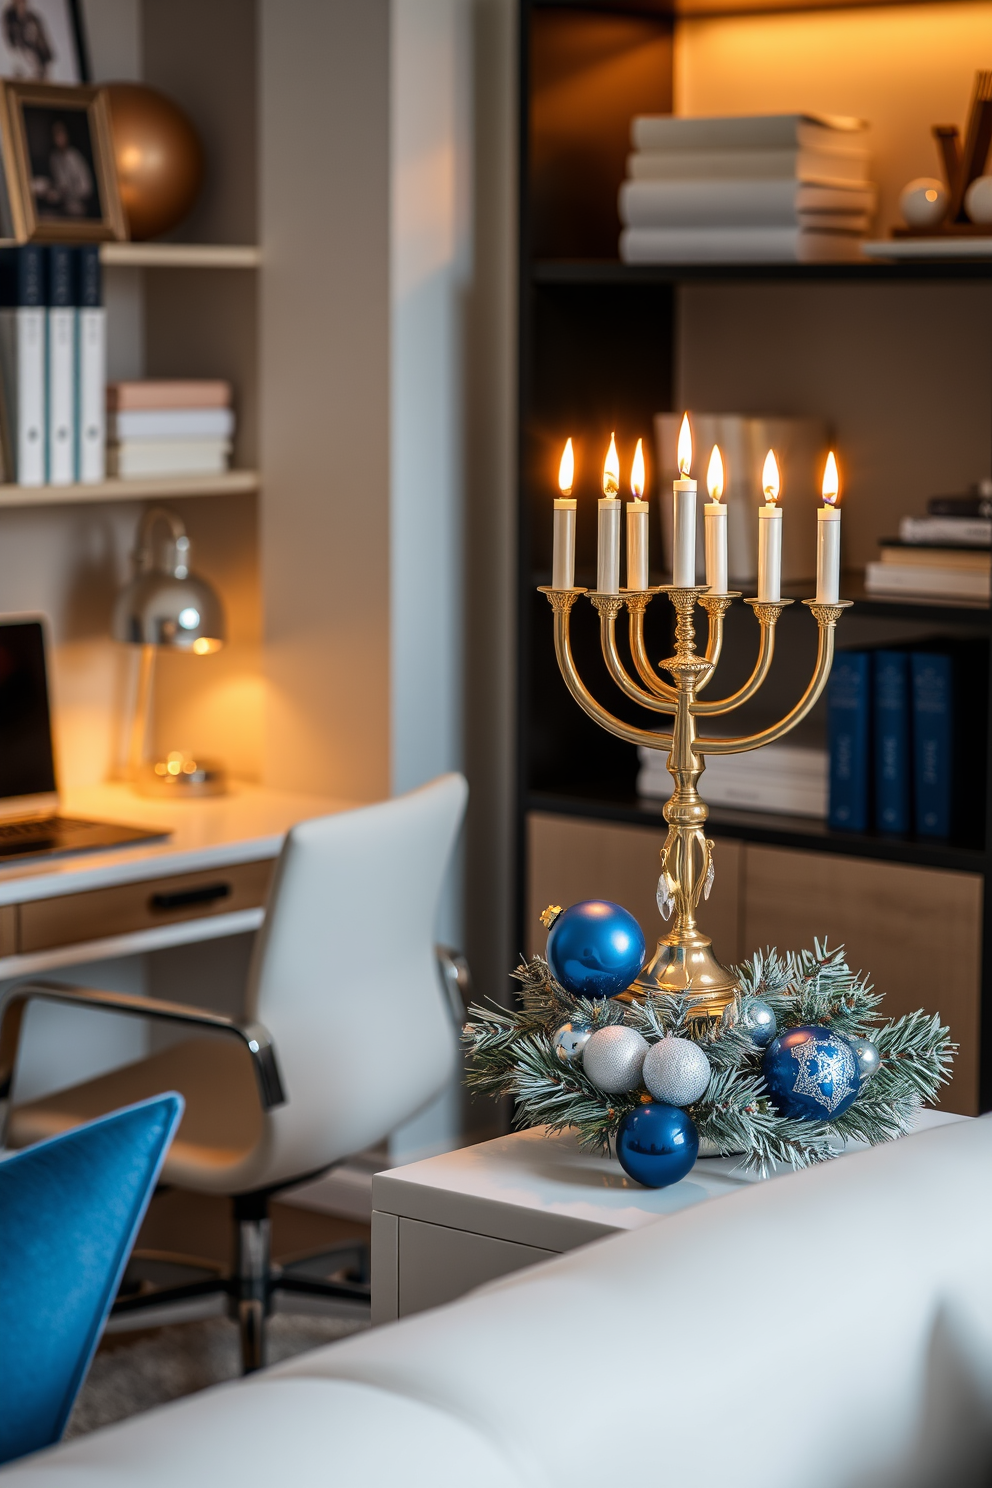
72	919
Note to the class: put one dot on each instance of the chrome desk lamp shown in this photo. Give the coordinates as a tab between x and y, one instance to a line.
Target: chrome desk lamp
165	605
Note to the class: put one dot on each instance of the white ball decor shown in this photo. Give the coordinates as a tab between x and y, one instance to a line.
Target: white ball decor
978	199
923	202
676	1071
613	1058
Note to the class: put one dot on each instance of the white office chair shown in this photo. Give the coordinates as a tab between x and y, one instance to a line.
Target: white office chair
349	1033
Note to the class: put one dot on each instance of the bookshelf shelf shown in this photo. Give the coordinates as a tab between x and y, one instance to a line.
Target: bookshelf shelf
799	832
605	272
231	483
180	255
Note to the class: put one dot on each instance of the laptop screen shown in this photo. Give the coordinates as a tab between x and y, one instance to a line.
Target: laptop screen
26	764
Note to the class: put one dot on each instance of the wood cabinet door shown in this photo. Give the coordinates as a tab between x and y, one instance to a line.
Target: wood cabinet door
572	858
917	931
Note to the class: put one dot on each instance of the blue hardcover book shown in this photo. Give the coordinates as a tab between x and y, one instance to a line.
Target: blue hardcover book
848	719
61	364
933	740
23	361
892	720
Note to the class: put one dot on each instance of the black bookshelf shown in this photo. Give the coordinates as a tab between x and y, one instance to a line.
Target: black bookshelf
596	353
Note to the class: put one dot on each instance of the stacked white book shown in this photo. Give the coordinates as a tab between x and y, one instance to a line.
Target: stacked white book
752	189
787	778
169	427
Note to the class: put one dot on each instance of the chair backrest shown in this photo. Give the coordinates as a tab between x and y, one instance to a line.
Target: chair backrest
346	980
70	1209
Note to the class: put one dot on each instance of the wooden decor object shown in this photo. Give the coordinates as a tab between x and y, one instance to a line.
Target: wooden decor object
961	165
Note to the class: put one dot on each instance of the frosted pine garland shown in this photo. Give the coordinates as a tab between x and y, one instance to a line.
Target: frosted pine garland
511	1053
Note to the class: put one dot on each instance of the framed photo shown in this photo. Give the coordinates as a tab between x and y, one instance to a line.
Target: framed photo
42	41
58	155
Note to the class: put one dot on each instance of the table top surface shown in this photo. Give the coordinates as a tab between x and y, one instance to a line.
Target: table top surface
544	1191
247	824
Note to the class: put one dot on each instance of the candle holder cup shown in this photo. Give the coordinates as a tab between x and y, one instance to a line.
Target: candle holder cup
684	961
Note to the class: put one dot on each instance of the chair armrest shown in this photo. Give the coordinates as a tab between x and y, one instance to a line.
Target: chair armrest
457	981
255	1038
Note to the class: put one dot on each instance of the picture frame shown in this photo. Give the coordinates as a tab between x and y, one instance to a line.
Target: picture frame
43	41
58	156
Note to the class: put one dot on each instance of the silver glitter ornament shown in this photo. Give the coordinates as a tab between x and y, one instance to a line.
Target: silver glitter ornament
759	1020
867	1056
613	1057
570	1040
676	1071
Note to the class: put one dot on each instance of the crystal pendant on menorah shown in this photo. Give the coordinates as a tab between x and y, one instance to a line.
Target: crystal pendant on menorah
684	961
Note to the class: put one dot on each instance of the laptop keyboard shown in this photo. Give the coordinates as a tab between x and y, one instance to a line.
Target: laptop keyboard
39	826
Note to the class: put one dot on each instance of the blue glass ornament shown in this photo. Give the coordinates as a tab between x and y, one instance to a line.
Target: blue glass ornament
656	1144
811	1074
758	1019
595	949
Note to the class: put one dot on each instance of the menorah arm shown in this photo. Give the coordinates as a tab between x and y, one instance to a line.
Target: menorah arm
637	603
561	601
608	607
826	618
768	614
716	606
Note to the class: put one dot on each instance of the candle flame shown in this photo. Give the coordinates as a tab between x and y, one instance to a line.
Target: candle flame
714	474
566	470
685	447
637	472
611	470
770	481
831	480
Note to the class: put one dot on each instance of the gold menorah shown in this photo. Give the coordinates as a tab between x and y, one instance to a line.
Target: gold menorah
684	961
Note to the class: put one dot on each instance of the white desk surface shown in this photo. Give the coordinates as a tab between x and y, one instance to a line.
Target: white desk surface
543	1191
247	824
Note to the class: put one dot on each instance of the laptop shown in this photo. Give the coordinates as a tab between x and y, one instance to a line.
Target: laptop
30	823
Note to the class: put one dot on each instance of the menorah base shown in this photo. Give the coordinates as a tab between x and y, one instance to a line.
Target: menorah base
690	971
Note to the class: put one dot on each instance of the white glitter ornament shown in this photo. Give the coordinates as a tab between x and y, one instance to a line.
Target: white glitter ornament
676	1071
613	1058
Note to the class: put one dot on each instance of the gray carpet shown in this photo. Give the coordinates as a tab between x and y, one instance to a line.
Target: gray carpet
134	1371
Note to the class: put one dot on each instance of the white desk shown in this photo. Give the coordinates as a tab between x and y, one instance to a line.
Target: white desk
62	911
445	1225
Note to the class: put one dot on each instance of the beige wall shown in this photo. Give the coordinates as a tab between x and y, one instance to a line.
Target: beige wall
324	393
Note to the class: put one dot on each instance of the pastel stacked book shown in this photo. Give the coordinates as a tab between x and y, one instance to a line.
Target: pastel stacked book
781	778
162	428
752	189
945	555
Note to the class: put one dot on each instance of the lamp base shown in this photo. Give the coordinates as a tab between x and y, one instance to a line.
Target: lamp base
689	970
180	777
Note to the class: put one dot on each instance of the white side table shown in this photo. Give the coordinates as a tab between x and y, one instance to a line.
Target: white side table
448	1224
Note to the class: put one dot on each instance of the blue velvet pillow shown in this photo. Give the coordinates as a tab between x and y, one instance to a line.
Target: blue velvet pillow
70	1210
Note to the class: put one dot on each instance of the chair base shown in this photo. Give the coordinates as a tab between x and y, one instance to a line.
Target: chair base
338	1274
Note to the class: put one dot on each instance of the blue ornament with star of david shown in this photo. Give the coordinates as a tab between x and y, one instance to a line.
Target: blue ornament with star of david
811	1074
657	1144
595	949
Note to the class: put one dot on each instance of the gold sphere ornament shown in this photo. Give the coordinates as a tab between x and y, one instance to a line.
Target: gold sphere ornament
159	158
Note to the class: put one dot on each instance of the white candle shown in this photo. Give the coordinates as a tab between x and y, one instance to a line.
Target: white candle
563	561
715	518
770	535
684	492
637	525
608	565
828	537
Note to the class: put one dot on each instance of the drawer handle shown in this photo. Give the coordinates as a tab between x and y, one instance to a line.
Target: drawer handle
186	898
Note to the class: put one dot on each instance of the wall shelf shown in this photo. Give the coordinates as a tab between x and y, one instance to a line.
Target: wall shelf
599	272
231	483
180	255
773	829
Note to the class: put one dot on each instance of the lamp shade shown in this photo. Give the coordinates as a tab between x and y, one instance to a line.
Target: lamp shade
165	604
160	609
